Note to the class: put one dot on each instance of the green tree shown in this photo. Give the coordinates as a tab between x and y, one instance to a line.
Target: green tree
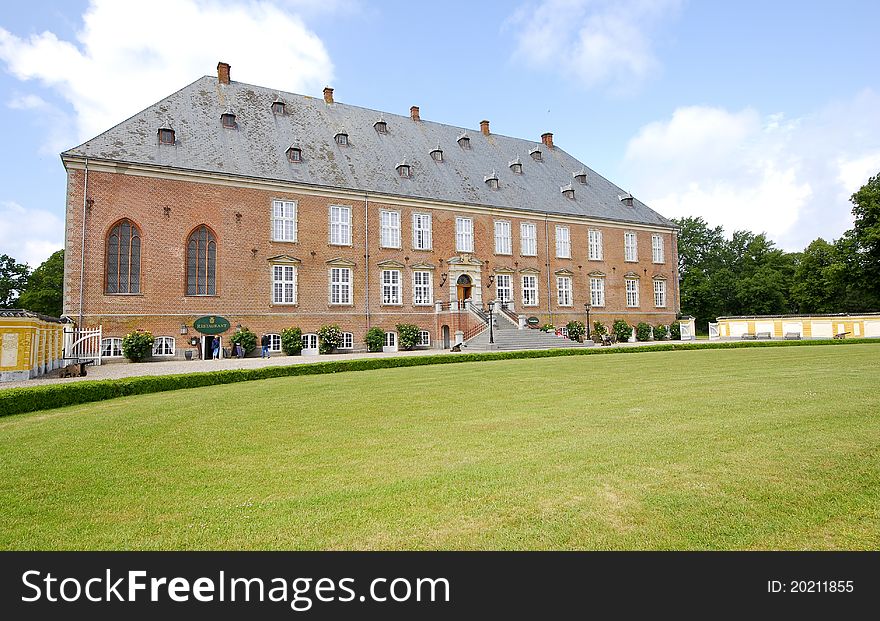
43	293
13	280
819	280
865	236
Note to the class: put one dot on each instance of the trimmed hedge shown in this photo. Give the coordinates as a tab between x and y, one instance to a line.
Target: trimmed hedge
30	399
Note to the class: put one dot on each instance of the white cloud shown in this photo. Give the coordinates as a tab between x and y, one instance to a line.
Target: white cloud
744	170
129	55
29	235
600	42
53	120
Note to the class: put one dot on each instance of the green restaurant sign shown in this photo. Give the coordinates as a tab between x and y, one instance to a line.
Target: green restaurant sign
211	324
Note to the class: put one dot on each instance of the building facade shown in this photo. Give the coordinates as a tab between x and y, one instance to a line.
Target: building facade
276	210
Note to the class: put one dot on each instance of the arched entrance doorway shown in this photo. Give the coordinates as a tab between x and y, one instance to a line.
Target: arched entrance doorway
465	286
445	337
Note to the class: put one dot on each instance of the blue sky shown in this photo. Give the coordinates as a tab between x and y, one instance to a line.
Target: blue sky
756	115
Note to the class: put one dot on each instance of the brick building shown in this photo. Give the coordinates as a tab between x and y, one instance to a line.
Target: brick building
275	210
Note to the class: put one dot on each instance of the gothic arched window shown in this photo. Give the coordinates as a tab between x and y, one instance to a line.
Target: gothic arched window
201	262
123	258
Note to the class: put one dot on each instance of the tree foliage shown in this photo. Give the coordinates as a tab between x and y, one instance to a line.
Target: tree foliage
43	293
13	280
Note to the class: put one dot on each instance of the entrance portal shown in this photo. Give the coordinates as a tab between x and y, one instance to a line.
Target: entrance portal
464	285
207	346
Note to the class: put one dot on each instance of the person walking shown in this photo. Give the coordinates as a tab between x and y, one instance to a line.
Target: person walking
264	342
215	348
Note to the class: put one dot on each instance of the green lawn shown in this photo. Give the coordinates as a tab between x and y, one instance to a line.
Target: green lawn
715	449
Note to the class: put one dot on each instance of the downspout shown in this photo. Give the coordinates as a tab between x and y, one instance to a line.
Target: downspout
366	260
547	263
82	250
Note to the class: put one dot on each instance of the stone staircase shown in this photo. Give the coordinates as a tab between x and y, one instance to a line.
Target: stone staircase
509	337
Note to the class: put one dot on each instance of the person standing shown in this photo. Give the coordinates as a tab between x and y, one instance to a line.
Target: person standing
264	343
215	348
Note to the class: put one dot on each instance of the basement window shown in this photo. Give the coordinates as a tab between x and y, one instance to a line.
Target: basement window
294	154
278	107
341	139
166	136
227	120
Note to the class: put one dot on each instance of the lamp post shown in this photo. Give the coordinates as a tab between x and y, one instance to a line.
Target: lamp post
587	310
491	334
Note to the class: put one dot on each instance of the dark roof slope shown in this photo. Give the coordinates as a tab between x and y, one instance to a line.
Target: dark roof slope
257	149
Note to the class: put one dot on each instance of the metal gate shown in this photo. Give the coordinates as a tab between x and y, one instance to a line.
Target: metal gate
83	345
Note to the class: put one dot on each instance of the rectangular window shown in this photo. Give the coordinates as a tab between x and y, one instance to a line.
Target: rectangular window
502	237
530	290
340	225
389	229
163	346
284	221
528	239
340	285
464	235
657	249
421	231
563	242
422	290
283	284
347	341
597	291
632	292
274	342
630	247
391	287
563	290
503	288
660	293
111	348
595	243
424	338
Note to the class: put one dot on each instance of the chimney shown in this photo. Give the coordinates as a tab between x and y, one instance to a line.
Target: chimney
414	113
547	139
223	73
484	127
328	95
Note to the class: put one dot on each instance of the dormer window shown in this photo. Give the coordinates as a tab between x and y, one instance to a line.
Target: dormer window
403	170
567	191
536	154
342	139
626	199
227	120
437	155
166	136
581	177
492	181
294	154
516	167
381	126
278	107
464	141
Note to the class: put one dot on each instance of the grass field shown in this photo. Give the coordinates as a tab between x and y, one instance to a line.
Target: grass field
716	449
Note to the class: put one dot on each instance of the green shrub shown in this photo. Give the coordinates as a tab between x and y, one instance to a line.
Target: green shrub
675	331
548	327
622	330
245	338
329	339
375	339
137	345
600	328
660	332
408	335
292	341
576	330
643	332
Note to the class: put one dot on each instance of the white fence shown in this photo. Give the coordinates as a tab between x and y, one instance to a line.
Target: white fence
82	345
714	334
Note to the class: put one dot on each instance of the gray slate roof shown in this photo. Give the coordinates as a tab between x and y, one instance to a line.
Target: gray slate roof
257	149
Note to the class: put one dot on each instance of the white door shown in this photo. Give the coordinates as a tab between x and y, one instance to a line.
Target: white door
390	342
310	345
792	327
738	328
821	329
872	328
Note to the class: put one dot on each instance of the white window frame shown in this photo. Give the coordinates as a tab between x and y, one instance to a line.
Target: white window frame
340	283
464	234
564	294
529	289
423	341
274	342
528	239
391	289
390	344
114	344
504	282
346	341
164	346
285	284
630	247
563	242
423	292
657	252
340	225
503	238
660	293
284	221
632	292
595	244
421	230
389	228
597	291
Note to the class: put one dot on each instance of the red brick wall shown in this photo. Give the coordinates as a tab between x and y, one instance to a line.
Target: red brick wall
244	276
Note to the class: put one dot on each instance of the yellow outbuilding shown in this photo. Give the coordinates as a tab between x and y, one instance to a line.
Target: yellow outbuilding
30	344
838	326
